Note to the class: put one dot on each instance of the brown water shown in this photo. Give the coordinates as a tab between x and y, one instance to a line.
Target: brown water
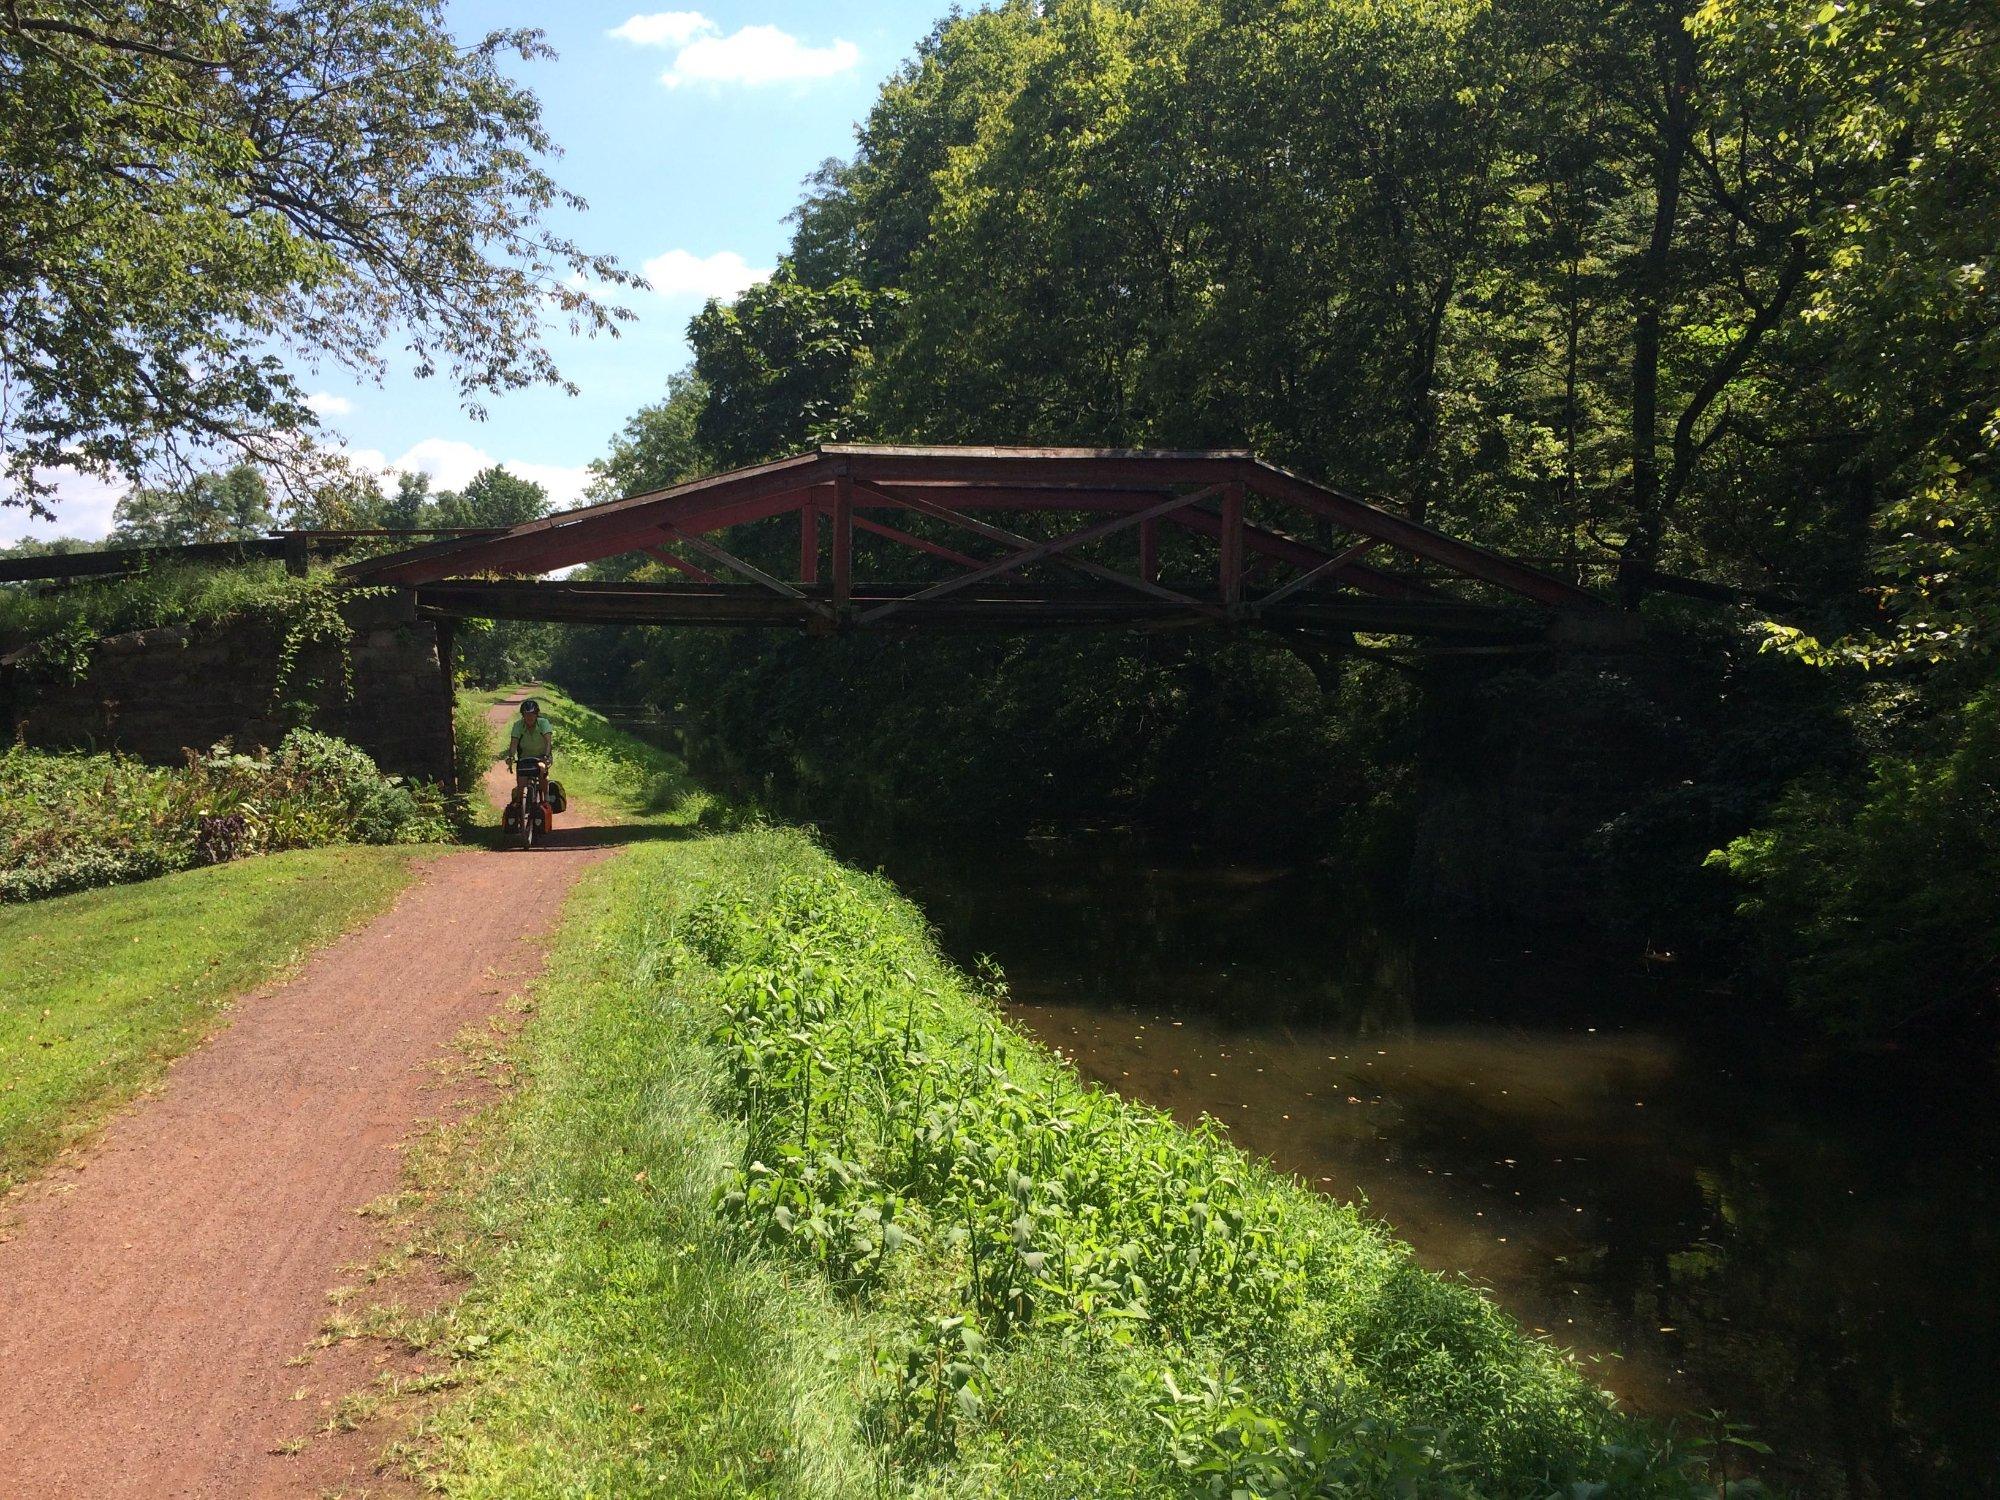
1707	1215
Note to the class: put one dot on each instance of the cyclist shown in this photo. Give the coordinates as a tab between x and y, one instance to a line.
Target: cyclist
530	737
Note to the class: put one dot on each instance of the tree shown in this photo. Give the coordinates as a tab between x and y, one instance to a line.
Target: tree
783	365
495	498
231	506
190	192
660	445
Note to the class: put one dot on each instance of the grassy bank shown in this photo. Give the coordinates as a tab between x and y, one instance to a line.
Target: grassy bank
788	1210
106	986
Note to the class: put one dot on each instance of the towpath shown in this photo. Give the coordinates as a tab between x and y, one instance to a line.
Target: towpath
154	1287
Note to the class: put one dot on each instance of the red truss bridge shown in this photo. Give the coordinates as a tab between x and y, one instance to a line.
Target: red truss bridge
1005	538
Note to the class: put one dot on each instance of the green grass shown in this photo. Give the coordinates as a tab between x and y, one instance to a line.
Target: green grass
785	1209
104	987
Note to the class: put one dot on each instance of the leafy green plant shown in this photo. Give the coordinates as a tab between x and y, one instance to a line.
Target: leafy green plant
74	821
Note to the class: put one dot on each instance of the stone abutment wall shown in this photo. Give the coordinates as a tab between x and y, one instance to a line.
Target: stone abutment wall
157	693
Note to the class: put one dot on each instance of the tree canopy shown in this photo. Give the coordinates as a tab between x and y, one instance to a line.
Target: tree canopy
197	197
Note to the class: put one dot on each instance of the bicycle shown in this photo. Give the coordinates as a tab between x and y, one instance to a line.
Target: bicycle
528	815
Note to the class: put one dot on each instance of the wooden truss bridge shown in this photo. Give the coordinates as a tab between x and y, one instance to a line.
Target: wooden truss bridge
1004	538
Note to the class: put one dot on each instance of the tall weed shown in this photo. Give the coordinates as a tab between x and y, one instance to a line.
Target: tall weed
72	821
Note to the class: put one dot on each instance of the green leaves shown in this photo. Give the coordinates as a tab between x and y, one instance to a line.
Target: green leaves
192	193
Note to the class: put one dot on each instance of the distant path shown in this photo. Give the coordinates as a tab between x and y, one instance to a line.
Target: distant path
153	1288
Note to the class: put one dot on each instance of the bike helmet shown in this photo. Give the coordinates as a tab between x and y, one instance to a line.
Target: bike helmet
530	706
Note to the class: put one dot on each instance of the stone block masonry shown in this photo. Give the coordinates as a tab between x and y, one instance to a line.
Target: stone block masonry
156	693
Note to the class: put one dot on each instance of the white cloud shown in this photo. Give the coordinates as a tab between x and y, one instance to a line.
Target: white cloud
667	28
681	273
751	54
82	503
329	405
452	463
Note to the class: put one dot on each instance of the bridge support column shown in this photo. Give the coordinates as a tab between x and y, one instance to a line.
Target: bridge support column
808	544
843	540
1232	544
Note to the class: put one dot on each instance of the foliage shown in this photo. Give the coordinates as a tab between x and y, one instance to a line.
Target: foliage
73	821
492	497
105	987
781	366
166	594
192	191
474	745
62	627
659	446
1830	889
1641	286
222	507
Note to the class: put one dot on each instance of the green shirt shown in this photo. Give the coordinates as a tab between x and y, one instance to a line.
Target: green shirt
536	743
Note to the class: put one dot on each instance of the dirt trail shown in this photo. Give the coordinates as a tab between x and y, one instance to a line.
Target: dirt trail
153	1288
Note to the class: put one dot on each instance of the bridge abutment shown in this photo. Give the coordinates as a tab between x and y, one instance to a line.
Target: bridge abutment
153	693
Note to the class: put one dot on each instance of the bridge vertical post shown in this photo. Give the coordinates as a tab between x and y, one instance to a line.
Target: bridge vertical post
1149	550
1232	543
843	540
808	543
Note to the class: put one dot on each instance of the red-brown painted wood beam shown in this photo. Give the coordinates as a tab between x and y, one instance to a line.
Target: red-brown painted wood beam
680	564
1003	467
843	539
1232	543
599	531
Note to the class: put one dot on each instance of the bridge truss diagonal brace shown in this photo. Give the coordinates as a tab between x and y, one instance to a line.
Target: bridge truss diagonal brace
907	501
1331	567
680	564
1464	558
749	570
1040	551
916	543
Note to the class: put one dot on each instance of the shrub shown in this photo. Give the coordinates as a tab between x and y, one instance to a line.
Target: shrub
473	745
1878	906
72	821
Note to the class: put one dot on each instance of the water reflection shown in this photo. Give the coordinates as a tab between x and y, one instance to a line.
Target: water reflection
1707	1214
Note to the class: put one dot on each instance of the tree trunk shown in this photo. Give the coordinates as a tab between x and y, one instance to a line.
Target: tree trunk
1674	48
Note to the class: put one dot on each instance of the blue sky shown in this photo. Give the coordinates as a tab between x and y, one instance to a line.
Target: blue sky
692	176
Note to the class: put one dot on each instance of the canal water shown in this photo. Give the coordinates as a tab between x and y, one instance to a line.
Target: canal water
1710	1216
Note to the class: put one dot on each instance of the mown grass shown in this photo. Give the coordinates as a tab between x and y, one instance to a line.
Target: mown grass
104	987
786	1209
